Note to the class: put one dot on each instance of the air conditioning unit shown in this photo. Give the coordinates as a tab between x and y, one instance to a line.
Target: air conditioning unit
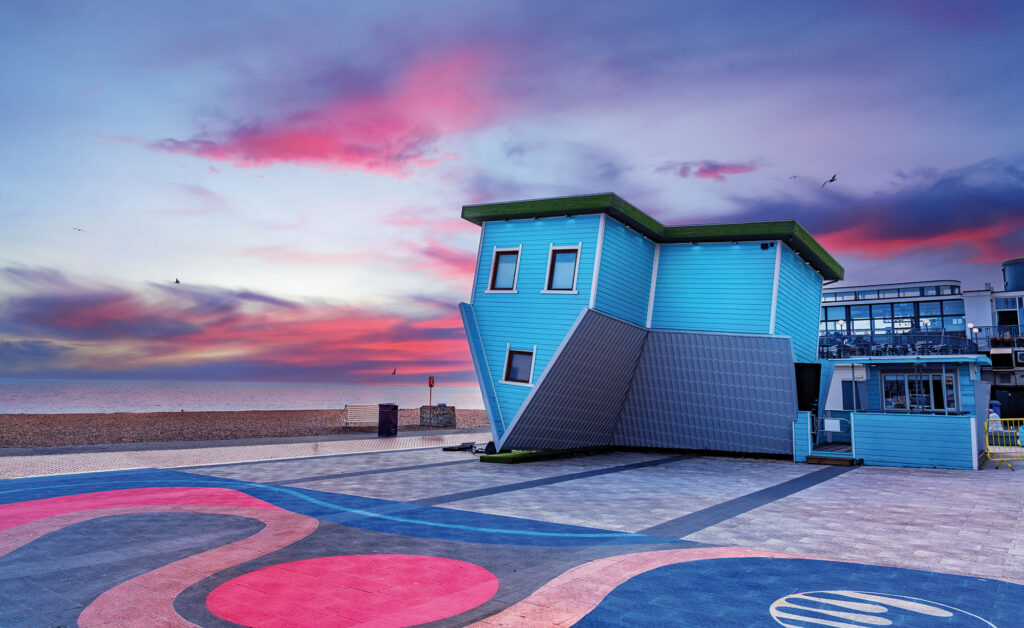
1005	379
1019	355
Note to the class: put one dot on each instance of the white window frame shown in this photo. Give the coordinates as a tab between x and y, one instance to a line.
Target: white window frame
575	271
515	277
504	367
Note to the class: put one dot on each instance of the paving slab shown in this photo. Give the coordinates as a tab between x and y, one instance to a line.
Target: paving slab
413	535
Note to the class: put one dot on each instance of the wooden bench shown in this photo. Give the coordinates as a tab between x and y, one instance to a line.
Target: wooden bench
362	414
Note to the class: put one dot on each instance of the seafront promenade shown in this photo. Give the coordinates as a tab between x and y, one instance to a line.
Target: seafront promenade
354	530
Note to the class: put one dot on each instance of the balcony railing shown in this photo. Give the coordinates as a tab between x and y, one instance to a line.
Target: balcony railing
999	336
835	345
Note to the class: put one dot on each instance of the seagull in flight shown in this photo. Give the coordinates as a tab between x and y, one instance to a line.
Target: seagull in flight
394	371
832	180
77	229
794	176
176	280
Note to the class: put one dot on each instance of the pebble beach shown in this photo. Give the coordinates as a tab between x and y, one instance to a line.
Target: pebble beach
57	430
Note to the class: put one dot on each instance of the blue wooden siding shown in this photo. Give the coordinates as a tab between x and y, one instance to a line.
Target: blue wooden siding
528	317
801	429
624	281
914	440
714	286
967	399
799	305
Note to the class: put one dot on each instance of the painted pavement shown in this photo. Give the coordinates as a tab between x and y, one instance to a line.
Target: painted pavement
173	548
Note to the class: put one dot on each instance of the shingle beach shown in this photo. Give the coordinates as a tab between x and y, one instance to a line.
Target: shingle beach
57	430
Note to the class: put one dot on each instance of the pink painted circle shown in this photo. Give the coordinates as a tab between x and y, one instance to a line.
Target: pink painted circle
375	589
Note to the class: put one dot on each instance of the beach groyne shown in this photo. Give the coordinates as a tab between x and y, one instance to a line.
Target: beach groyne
58	430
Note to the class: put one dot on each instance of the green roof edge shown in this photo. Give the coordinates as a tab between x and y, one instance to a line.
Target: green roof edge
788	231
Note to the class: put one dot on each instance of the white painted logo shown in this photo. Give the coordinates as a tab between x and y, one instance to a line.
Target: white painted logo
860	609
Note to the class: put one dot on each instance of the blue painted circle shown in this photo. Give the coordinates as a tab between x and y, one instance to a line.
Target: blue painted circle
742	592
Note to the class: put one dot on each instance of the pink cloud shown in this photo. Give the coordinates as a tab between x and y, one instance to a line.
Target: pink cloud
868	240
705	169
216	333
383	132
447	263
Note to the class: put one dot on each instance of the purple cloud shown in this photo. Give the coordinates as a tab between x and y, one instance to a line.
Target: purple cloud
704	169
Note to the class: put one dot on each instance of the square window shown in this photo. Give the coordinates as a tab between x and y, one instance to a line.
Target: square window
503	270
930	308
519	366
562	269
952	308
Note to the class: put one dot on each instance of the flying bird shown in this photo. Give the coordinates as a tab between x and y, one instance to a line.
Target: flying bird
832	180
176	280
794	176
394	371
77	229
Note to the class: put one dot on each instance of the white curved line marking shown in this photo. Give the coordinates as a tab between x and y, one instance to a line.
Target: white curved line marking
777	616
853	606
906	604
864	619
882	604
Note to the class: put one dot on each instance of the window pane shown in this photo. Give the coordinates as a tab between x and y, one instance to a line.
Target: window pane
883	325
952	307
1006	304
879	311
930	323
910	292
920	392
892	293
950	393
836	313
954	323
902	309
504	271
930	291
894	393
519	363
903	325
862	327
828	296
867	294
929	308
563	270
938	402
844	296
946	290
860	311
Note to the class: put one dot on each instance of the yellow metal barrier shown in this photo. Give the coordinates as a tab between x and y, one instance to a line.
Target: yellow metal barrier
1004	440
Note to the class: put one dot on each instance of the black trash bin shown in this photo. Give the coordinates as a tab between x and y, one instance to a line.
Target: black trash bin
387	419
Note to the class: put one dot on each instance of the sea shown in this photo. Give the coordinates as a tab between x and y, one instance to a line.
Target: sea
60	396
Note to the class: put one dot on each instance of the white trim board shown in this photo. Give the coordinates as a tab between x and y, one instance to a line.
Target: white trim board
654	284
597	260
775	286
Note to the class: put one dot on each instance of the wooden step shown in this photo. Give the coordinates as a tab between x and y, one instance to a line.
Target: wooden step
842	462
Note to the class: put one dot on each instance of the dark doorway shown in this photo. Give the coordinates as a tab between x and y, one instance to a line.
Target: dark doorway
808	383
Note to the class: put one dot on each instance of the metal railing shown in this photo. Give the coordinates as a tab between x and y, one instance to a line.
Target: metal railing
999	336
835	345
1004	440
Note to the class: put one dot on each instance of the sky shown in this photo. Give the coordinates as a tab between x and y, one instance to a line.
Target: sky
300	167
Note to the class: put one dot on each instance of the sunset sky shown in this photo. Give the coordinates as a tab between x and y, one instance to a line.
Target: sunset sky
300	166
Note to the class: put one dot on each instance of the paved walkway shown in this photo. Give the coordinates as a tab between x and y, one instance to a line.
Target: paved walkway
367	531
87	459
